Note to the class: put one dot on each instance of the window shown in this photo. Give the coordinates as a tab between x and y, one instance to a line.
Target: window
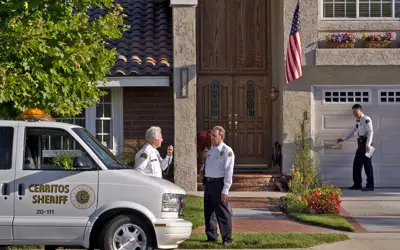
347	96
104	120
79	120
51	149
6	147
361	8
389	96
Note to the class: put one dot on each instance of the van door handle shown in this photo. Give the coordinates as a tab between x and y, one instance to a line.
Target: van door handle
5	189
21	189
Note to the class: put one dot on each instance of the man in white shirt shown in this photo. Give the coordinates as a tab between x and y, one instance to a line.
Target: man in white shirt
148	160
365	132
218	171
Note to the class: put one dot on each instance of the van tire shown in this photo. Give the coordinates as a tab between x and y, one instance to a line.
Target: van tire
111	227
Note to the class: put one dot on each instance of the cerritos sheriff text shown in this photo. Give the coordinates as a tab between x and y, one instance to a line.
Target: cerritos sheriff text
56	196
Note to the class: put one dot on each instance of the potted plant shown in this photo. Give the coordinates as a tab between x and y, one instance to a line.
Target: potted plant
203	144
341	40
377	41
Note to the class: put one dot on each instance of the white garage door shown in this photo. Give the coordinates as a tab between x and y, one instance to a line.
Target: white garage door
333	119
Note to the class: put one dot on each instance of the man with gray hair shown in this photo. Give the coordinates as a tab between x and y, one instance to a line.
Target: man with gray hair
148	160
218	171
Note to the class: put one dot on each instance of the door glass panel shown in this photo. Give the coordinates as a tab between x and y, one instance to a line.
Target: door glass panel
215	100
51	149
250	99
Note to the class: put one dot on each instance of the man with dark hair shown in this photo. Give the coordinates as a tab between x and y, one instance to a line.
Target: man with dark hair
218	171
365	133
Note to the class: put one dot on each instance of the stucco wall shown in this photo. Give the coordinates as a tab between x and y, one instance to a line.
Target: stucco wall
184	31
327	66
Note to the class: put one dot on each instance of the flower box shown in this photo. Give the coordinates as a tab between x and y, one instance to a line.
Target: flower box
340	41
339	45
377	44
378	41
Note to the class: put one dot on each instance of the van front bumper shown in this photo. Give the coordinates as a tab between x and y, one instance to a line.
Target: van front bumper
171	233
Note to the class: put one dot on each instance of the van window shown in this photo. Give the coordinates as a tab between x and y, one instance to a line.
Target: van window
6	147
51	149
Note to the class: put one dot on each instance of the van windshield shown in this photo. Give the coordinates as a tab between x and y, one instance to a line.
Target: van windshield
102	152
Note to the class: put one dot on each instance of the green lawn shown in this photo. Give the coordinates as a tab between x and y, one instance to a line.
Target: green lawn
265	240
324	220
194	210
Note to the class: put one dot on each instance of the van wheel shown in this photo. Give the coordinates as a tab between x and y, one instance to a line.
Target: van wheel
126	233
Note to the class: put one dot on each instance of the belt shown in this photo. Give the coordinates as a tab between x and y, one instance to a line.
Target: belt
214	178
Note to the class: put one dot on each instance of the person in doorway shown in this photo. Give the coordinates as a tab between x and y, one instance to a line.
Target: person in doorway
148	160
218	171
365	132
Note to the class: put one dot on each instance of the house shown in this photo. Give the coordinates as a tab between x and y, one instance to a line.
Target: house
187	65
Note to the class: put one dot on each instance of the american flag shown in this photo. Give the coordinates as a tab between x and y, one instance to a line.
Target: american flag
293	51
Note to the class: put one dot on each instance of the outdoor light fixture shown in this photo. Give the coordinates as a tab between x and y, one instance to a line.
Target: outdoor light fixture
184	82
274	93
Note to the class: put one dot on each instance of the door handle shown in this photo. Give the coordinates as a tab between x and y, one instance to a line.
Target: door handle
5	190
236	123
21	189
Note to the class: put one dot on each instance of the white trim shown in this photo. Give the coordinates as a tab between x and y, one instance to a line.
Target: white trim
357	18
136	81
117	111
341	89
188	3
91	120
387	103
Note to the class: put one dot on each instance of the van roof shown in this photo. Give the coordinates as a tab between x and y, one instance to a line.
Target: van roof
38	124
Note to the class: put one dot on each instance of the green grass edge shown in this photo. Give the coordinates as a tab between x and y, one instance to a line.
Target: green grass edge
347	228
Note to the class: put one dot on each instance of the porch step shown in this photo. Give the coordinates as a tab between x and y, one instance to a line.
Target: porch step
248	182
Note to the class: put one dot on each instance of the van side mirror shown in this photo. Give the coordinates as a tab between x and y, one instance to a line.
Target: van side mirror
82	163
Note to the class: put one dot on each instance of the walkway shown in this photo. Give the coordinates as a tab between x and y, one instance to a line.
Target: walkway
259	215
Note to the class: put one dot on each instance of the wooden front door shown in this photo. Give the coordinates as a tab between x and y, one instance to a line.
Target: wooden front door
233	78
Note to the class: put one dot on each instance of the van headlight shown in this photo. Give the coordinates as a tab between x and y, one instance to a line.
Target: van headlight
172	203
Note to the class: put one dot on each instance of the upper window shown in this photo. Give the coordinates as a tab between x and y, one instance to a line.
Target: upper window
361	8
6	147
346	96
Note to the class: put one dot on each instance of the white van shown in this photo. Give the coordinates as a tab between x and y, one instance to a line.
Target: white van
61	187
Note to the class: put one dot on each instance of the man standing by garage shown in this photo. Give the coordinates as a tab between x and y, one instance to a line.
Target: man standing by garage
365	133
218	171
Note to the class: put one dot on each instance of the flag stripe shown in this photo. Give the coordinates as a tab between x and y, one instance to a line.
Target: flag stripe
293	68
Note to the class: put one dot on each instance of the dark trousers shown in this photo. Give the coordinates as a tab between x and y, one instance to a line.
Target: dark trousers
216	211
359	160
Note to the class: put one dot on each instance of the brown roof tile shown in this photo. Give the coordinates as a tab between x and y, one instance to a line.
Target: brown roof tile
146	47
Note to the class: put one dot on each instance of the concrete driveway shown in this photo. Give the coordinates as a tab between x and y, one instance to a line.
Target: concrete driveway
377	211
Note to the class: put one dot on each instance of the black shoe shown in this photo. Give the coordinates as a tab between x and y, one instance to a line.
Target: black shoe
227	242
211	241
368	189
355	187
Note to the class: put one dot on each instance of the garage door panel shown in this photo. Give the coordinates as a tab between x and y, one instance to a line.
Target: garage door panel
389	148
339	176
389	172
338	122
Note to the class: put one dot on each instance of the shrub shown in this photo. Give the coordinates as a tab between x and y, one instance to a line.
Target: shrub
325	200
292	203
305	172
128	157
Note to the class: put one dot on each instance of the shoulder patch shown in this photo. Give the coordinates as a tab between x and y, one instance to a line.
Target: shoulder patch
144	155
367	121
230	154
222	153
